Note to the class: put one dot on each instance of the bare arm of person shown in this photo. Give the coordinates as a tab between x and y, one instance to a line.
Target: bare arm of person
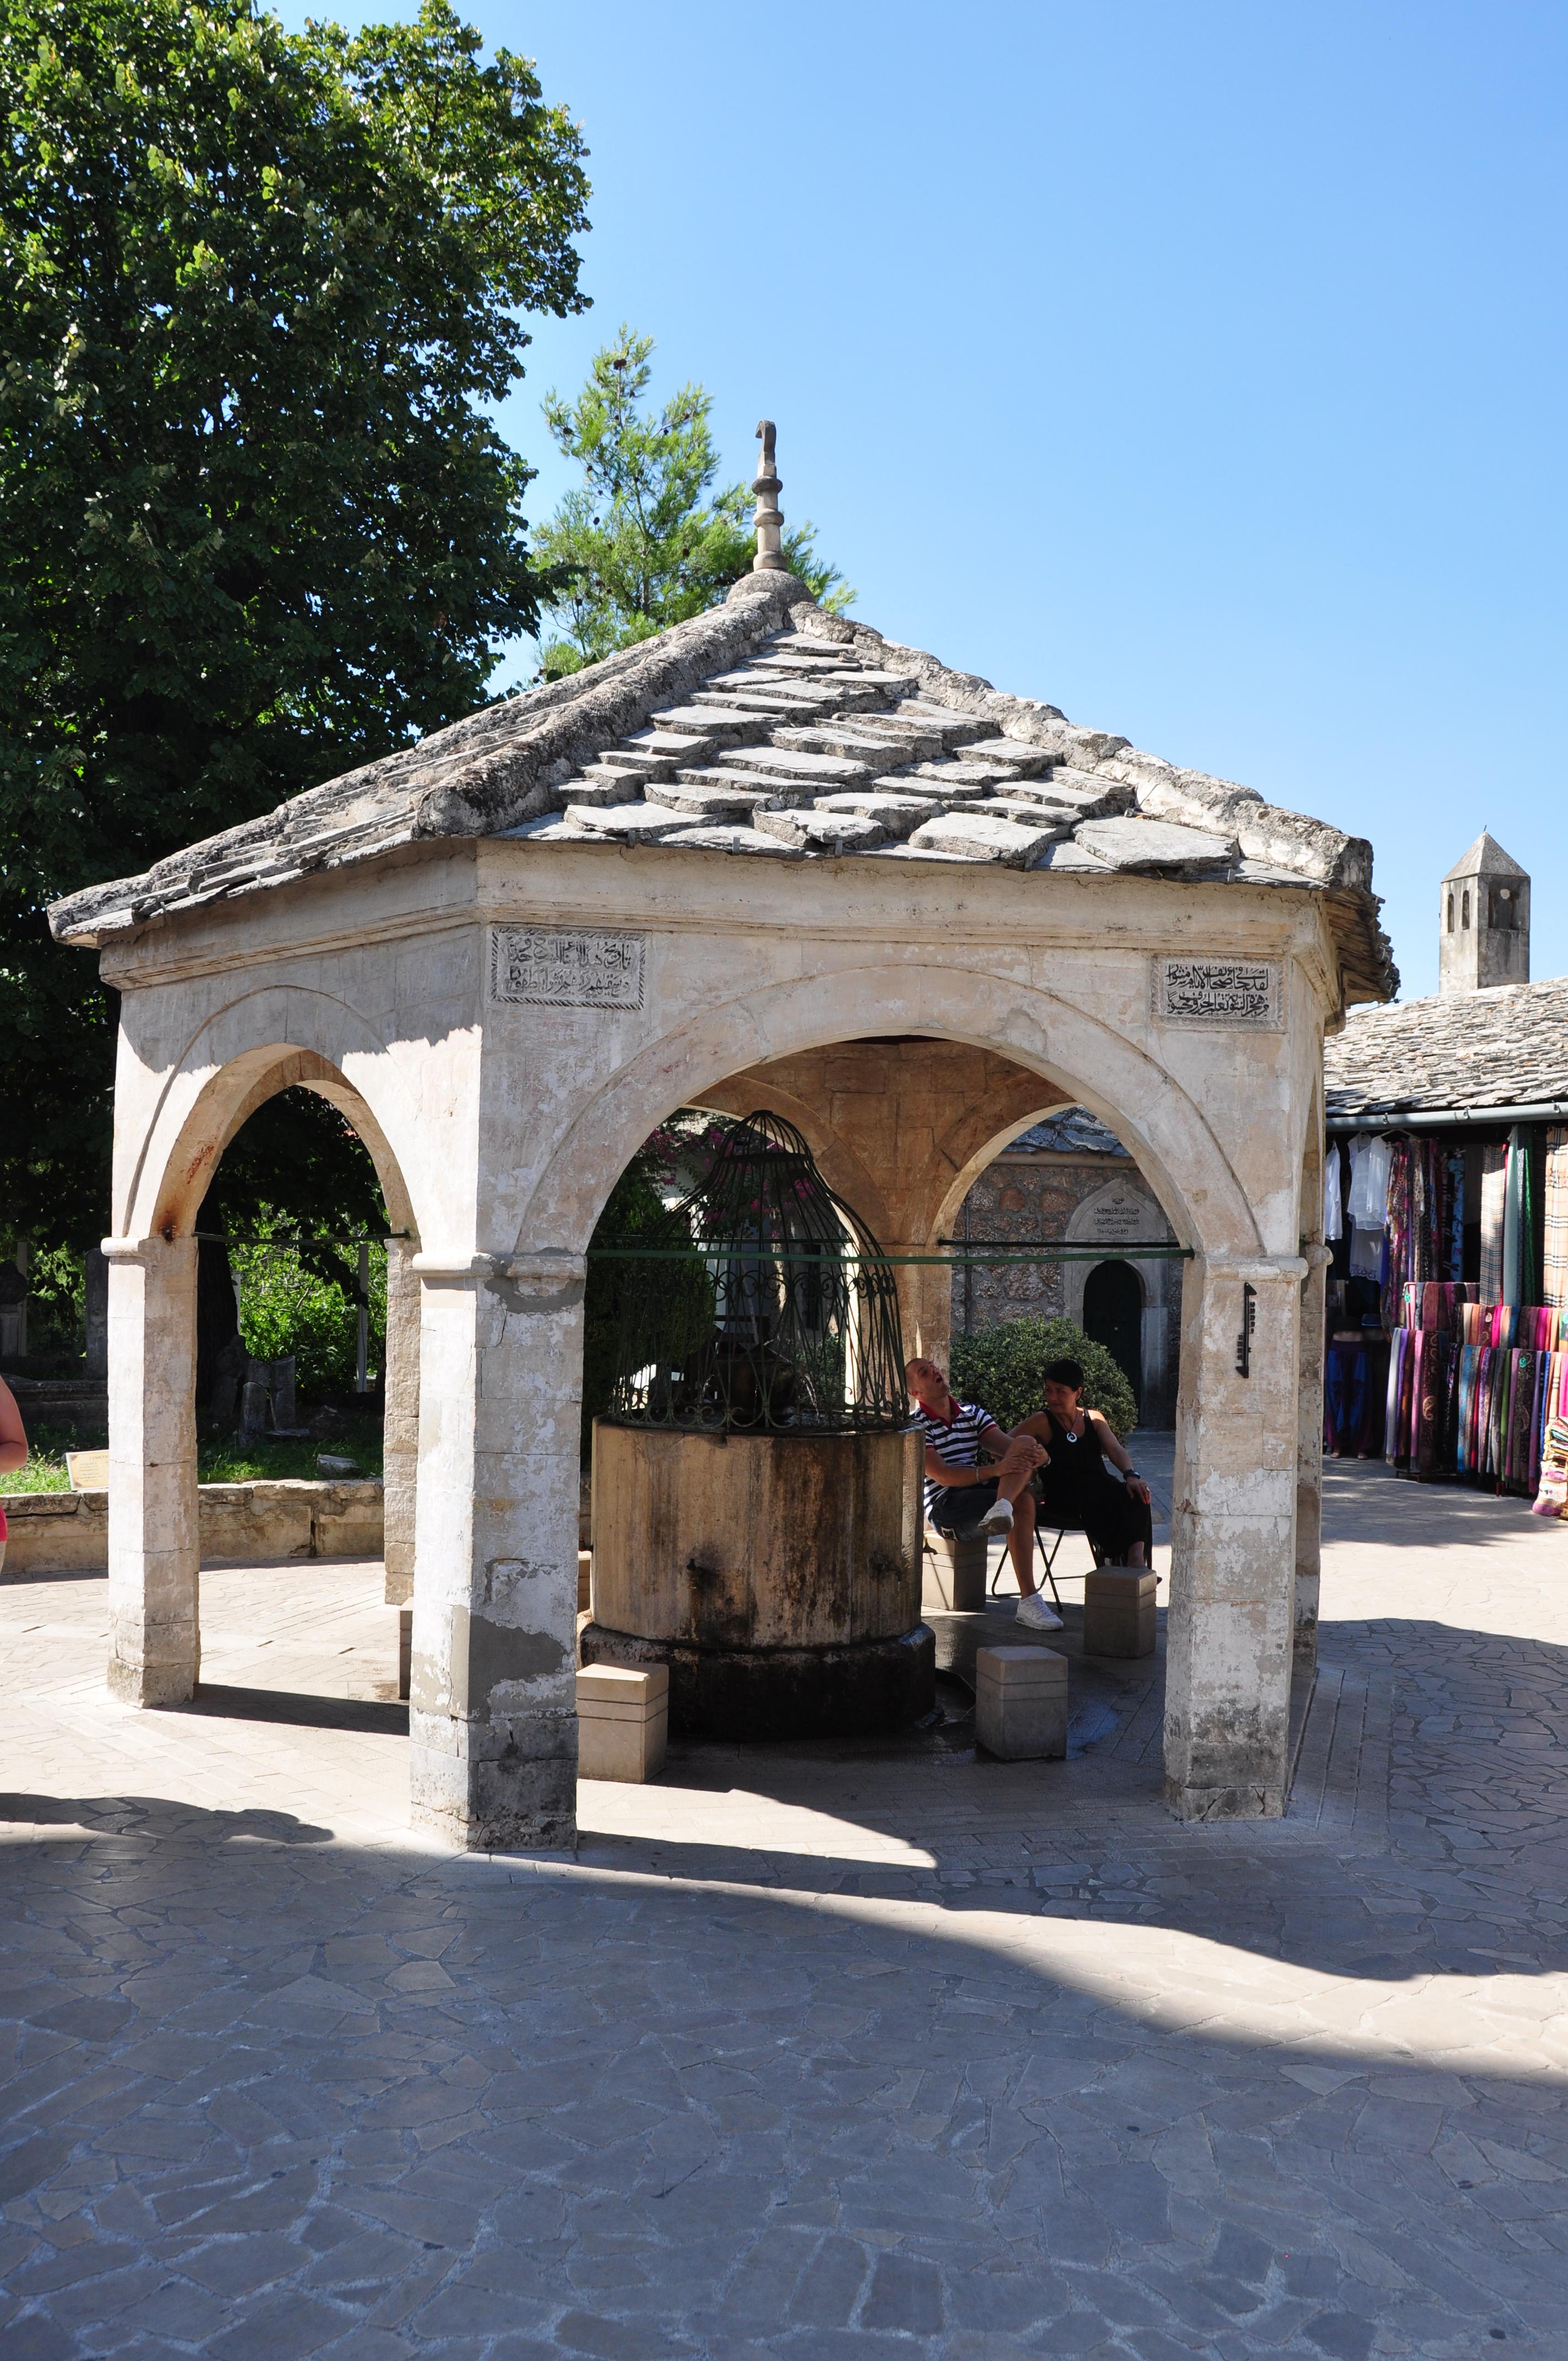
13	1433
945	1471
1116	1452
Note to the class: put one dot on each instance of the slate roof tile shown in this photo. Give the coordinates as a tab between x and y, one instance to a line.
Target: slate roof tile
687	737
1505	1047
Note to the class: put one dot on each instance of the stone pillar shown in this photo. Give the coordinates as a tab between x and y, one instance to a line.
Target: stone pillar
924	1302
155	1646
493	1719
1231	1625
401	1431
1309	1462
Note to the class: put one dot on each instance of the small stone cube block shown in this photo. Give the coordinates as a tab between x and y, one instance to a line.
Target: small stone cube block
953	1581
623	1721
1119	1611
1021	1703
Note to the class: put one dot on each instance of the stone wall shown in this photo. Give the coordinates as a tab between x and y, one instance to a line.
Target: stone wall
240	1524
1081	1198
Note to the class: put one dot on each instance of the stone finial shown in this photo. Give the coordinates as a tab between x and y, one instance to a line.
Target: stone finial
770	557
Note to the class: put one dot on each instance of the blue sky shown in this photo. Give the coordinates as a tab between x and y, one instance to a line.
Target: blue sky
1198	367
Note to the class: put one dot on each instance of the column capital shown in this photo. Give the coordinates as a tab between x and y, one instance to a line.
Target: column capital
1256	1267
139	1250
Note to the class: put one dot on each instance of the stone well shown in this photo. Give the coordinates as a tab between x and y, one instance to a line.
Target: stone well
776	1575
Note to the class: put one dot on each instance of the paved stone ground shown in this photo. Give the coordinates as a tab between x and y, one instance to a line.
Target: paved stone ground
822	2052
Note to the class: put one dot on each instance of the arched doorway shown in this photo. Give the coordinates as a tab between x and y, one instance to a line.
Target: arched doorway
1113	1316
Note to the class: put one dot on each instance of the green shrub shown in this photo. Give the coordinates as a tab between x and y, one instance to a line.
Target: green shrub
1002	1370
288	1306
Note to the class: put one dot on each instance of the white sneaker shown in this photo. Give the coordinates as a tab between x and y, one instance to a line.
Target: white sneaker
998	1518
1035	1615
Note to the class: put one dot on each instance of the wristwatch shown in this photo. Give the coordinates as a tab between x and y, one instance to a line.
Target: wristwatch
1131	1475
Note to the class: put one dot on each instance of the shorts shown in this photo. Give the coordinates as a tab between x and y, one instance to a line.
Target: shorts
958	1509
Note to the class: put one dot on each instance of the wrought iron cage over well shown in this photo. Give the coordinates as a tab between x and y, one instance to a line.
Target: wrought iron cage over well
762	1304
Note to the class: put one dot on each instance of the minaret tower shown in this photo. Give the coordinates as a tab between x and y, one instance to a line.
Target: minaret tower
1484	920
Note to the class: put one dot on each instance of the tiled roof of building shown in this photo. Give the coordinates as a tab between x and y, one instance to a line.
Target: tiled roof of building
1506	1046
770	729
1070	1131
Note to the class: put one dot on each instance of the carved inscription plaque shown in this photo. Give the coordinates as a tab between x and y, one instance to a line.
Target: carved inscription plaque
1224	991
555	966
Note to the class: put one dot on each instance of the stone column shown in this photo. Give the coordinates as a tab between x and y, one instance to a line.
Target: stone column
493	1694
154	1645
401	1434
924	1302
1230	1628
1309	1462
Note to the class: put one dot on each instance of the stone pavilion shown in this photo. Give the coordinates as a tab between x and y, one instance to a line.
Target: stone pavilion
767	858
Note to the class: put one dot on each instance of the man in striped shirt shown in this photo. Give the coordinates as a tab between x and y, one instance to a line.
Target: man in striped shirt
961	1499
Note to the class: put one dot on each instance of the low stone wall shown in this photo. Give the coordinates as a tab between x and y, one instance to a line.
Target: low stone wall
241	1524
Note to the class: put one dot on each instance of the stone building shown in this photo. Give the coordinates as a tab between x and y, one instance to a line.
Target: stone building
1070	1179
767	858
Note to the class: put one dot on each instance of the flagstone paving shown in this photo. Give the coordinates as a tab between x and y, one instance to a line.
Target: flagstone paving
822	2052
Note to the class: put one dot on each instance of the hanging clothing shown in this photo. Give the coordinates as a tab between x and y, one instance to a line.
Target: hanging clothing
1333	1217
1554	1269
1514	1215
1370	1158
1455	1215
1494	1190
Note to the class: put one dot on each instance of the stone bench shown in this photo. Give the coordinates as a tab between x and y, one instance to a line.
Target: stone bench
953	1573
1021	1704
1119	1611
623	1722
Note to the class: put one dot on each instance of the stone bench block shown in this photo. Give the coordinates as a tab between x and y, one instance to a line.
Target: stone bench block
953	1580
1119	1611
623	1721
585	1580
1021	1703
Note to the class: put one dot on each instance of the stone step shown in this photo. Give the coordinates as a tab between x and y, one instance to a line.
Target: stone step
708	800
962	773
898	816
802	644
639	767
706	721
848	691
665	745
609	786
847	738
1027	760
779	703
631	821
929	779
719	838
1023	813
1158	848
955	729
795	665
769	790
975	836
779	761
822	831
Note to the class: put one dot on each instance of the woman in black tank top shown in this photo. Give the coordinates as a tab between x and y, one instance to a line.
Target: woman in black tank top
1091	1482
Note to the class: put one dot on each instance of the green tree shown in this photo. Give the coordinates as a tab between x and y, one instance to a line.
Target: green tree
258	291
640	544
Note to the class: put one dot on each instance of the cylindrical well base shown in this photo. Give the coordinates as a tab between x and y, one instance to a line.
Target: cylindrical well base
845	1691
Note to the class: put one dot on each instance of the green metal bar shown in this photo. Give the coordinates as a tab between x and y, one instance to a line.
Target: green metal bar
708	1250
